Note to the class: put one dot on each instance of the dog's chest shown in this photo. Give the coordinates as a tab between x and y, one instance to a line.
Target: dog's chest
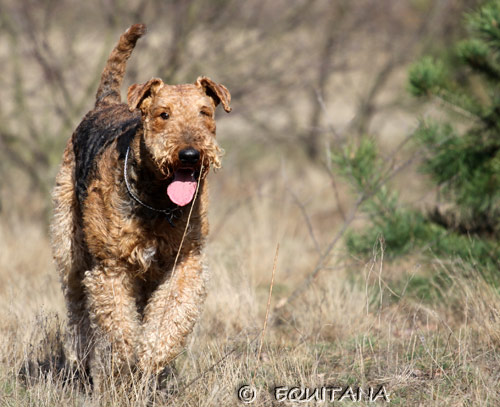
147	255
150	255
154	248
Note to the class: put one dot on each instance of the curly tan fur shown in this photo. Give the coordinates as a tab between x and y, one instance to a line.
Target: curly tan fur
115	256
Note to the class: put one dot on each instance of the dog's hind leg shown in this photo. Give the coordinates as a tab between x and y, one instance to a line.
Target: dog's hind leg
69	255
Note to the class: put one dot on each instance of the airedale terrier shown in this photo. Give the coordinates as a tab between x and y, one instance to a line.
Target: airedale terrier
130	217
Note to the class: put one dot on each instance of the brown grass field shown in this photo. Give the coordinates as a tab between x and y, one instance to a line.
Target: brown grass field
348	329
356	324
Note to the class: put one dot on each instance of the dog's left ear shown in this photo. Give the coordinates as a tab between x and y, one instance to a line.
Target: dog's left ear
217	92
140	95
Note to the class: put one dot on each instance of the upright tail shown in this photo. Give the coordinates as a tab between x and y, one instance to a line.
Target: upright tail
112	75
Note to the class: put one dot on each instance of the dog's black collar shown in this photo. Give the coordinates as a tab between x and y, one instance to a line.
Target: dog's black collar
170	214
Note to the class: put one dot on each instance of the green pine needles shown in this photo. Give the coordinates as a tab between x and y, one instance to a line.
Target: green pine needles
463	159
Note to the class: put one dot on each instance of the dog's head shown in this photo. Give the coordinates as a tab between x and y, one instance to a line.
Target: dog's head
179	130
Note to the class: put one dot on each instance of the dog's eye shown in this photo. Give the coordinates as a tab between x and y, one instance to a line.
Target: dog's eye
165	116
205	113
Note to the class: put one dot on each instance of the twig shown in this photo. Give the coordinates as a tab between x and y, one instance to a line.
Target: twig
235	348
306	218
187	223
213	366
363	196
326	253
461	111
335	133
268	302
173	274
338	138
334	186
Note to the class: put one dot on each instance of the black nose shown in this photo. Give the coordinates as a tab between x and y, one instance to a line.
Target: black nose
189	156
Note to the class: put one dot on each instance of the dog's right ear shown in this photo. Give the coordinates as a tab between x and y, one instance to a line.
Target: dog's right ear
141	95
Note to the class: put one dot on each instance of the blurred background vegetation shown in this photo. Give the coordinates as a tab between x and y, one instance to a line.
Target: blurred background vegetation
304	75
459	152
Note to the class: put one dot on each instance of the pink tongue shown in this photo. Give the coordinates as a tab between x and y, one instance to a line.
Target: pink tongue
182	189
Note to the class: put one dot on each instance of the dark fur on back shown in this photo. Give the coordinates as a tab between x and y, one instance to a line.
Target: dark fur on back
98	129
110	120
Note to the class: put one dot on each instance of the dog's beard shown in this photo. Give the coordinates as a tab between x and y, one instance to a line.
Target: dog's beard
182	181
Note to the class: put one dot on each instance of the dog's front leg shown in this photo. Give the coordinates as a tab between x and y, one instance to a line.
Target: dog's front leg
113	315
171	314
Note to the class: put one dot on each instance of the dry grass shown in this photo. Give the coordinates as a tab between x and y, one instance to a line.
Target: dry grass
351	327
361	322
